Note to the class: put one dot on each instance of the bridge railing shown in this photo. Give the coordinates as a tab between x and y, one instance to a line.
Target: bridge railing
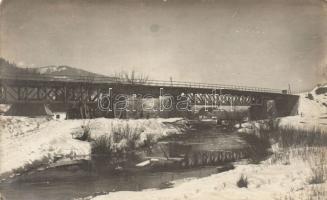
210	86
106	79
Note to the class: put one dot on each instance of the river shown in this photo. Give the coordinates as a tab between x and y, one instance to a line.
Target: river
81	180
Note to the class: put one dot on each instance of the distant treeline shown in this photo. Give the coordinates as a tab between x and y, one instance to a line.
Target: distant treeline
7	67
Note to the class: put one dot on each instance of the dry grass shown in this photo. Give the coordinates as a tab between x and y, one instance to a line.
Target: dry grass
318	164
293	144
315	157
313	192
316	192
126	137
292	137
310	146
102	145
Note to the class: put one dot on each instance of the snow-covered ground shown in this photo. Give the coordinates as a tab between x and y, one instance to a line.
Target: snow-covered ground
312	113
267	180
25	140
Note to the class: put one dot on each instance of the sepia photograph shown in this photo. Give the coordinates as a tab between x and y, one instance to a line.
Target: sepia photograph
163	99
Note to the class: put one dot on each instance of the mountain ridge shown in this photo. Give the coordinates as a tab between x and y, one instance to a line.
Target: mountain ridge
62	70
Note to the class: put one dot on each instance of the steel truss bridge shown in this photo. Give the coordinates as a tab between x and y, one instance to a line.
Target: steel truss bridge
72	90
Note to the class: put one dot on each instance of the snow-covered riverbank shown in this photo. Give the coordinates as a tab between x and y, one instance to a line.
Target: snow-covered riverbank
265	181
26	140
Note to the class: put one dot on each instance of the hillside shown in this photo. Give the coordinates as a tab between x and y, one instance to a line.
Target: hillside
65	70
11	68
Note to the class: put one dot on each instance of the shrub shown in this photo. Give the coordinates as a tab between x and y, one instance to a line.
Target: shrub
121	139
102	145
242	182
310	96
84	133
321	90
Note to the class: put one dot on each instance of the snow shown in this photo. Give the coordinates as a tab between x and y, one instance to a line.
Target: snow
312	113
266	180
4	108
313	107
154	126
51	69
24	140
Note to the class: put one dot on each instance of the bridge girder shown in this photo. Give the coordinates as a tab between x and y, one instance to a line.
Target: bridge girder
88	93
51	92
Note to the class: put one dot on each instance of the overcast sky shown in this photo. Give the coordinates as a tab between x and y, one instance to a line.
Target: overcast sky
265	43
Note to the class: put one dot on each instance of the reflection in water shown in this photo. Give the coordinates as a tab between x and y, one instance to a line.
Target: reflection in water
80	184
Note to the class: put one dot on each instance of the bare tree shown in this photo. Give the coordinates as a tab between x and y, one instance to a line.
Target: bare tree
133	77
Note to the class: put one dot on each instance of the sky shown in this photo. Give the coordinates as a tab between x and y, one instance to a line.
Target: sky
263	43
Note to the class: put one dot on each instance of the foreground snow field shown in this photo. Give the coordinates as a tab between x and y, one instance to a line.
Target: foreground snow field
265	182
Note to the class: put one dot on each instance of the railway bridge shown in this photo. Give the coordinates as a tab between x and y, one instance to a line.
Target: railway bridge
108	94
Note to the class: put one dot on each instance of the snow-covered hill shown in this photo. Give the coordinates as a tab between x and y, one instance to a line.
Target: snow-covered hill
65	70
7	67
51	69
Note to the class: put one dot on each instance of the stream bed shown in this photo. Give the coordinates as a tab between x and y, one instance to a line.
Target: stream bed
201	151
